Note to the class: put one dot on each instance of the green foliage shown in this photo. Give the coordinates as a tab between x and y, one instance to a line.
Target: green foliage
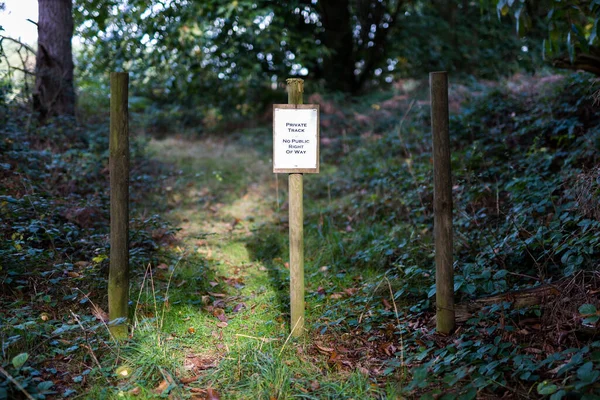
457	37
524	187
54	248
201	65
201	55
572	29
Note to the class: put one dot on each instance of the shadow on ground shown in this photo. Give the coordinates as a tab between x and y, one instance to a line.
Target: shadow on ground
267	246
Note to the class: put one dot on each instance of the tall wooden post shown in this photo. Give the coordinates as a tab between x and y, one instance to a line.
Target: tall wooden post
295	89
118	277
442	202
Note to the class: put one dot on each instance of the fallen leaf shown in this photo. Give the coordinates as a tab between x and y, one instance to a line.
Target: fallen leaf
220	314
219	304
222	324
336	296
161	387
82	264
386	305
237	283
99	313
315	385
239	307
162	266
189	379
191	330
211	394
135	391
387	348
213	283
196	363
323	349
333	357
533	350
72	274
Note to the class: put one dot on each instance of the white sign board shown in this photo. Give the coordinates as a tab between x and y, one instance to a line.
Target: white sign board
296	138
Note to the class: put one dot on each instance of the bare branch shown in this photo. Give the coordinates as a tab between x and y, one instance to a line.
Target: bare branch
17	41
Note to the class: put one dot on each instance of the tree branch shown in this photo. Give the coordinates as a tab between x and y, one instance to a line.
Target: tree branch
589	62
17	41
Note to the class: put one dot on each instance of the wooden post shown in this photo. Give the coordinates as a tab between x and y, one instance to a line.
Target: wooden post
442	203
295	89
118	276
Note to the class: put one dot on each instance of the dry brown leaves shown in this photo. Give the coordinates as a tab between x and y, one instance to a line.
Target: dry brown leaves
204	394
354	351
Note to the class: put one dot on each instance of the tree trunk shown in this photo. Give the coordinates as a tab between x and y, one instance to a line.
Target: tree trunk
338	67
54	92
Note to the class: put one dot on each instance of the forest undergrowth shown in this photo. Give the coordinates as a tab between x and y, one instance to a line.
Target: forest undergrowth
209	294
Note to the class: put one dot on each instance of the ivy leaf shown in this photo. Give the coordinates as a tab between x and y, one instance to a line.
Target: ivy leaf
558	395
19	360
500	274
587	309
44	386
546	387
587	373
431	292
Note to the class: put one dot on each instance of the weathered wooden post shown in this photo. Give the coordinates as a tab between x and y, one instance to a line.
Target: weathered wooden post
442	202
296	151
295	89
118	276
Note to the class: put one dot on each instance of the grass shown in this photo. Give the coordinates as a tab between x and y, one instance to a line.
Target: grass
223	301
214	318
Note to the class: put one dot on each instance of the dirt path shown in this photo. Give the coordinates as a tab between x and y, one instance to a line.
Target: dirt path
223	195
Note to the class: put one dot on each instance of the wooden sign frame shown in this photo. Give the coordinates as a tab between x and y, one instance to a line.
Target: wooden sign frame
297	107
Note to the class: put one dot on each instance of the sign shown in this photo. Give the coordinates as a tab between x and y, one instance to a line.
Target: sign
296	138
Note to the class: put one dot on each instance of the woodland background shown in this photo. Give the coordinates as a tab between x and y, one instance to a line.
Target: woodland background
208	228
